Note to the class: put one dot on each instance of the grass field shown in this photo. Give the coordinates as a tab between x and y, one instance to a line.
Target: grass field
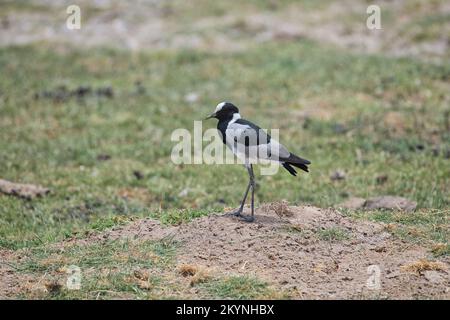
94	126
378	116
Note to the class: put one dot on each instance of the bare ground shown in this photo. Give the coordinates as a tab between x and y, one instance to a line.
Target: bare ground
311	253
154	24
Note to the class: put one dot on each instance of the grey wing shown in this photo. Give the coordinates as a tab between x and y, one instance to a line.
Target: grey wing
254	142
245	135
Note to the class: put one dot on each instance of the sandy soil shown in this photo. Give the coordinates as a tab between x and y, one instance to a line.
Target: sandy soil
291	251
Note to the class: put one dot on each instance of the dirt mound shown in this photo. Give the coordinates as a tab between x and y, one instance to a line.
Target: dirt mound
8	279
314	253
309	252
317	253
144	229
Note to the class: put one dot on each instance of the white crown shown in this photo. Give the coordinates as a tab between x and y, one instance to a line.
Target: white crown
220	106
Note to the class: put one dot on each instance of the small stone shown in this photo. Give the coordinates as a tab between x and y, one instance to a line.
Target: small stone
391	203
338	175
352	203
138	175
103	157
183	193
381	179
433	276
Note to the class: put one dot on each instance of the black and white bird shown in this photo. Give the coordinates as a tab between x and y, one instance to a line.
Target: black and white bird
251	144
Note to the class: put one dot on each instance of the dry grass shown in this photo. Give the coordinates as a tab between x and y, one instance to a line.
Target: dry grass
439	249
281	208
141	274
187	270
53	287
202	275
198	274
423	265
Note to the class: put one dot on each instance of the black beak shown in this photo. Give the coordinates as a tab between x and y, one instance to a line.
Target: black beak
210	116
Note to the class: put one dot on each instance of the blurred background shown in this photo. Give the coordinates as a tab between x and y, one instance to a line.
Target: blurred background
88	113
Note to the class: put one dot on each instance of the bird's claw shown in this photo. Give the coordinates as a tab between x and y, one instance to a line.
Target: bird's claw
247	218
236	213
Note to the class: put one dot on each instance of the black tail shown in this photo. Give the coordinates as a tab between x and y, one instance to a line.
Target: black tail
290	169
295	161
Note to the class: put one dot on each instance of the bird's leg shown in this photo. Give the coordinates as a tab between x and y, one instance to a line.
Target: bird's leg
253	192
238	212
252	185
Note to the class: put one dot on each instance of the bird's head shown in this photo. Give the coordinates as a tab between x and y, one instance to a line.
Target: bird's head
224	111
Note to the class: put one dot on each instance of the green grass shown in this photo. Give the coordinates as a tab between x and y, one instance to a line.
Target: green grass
108	269
175	217
56	143
8	6
428	27
124	269
425	227
238	287
107	159
333	234
99	255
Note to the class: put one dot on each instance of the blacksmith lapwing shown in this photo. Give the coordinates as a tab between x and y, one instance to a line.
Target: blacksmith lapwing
250	143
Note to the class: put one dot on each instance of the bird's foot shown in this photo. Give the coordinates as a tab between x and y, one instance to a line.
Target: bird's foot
236	213
247	218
